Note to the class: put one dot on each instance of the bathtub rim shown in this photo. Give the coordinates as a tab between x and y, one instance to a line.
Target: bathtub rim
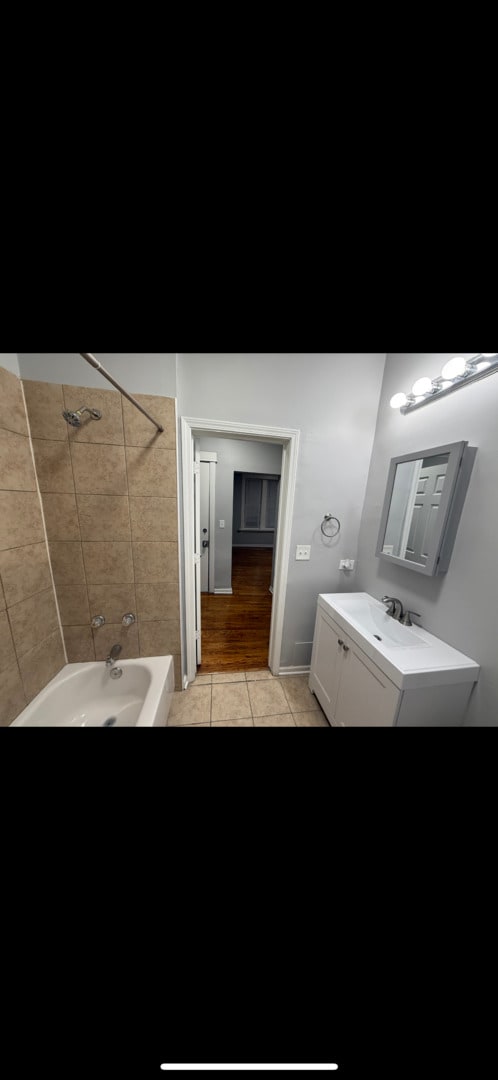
162	684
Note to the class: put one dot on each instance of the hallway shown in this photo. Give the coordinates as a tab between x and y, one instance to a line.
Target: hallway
236	629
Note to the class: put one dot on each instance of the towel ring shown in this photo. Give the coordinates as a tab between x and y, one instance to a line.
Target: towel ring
330	517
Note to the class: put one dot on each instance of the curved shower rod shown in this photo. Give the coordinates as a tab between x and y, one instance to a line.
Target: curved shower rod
95	364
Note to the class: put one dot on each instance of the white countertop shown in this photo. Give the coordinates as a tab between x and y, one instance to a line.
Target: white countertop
426	661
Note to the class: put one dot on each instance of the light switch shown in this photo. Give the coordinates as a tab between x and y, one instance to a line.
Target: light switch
222	524
303	551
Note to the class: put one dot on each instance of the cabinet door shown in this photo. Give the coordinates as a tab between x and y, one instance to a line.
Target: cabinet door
366	697
326	662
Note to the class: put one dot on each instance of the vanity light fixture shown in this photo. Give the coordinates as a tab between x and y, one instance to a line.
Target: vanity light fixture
456	372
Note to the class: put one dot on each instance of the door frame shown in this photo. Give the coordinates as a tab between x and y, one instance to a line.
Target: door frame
210	457
288	439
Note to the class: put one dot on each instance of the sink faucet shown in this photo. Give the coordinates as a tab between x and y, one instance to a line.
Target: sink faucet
113	655
395	607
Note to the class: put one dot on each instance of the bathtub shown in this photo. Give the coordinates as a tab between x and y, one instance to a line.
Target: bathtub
84	695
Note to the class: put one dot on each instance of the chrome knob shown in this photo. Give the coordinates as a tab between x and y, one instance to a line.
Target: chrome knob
346	648
340	641
128	619
98	620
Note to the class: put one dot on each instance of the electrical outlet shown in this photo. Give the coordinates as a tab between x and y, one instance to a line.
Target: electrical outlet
222	524
346	564
303	551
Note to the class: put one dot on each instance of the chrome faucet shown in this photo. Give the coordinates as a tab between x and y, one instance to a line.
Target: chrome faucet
395	607
113	655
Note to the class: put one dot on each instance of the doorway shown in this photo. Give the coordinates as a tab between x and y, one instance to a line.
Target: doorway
288	440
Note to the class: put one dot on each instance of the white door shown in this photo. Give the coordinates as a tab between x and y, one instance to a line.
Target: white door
197	552
204	521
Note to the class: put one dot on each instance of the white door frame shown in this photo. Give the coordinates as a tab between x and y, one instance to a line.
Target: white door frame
211	458
288	438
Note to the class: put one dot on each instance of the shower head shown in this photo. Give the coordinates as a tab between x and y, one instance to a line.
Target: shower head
74	418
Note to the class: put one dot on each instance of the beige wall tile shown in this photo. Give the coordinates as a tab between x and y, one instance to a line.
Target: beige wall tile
32	620
151	472
155	562
267	698
79	644
73	605
230	702
177	660
12	411
140	432
67	562
99	469
12	696
104	517
112	601
53	465
107	636
158	601
61	516
20	519
153	519
45	406
7	651
108	562
109	429
24	571
16	463
159	638
39	665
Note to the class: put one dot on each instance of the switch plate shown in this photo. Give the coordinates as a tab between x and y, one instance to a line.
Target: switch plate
222	524
346	564
303	551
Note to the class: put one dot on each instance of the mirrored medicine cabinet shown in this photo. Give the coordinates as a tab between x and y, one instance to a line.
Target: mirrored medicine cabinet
425	493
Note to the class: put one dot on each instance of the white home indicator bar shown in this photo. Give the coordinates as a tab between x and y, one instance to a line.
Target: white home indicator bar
302	1068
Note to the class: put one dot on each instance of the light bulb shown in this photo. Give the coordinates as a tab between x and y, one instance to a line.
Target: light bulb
489	354
445	384
398	400
455	367
422	386
482	364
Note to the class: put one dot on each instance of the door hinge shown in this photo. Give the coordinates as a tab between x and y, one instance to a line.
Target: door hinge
197	635
197	559
197	468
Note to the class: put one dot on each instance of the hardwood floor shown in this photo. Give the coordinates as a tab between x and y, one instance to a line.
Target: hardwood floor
236	629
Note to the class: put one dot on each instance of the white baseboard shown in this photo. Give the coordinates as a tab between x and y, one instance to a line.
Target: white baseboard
302	669
223	592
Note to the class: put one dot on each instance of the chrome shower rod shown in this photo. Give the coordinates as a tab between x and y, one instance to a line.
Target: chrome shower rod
95	364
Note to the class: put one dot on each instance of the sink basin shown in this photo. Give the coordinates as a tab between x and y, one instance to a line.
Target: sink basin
409	657
372	618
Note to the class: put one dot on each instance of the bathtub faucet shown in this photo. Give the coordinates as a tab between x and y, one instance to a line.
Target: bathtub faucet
110	660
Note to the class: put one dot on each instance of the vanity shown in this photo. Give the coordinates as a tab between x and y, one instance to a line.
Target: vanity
369	670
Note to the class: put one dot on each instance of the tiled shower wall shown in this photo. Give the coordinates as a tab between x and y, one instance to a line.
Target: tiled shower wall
31	650
109	491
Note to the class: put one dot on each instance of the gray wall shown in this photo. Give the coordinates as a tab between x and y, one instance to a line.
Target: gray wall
9	360
139	373
333	399
242	456
461	606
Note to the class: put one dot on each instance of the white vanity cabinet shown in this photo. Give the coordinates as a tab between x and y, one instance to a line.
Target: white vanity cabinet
350	688
366	672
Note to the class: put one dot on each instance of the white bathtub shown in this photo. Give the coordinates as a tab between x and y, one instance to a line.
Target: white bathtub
84	695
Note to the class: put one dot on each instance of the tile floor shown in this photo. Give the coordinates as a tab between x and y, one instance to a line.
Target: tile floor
247	699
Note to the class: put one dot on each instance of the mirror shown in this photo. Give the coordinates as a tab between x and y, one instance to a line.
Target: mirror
423	501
